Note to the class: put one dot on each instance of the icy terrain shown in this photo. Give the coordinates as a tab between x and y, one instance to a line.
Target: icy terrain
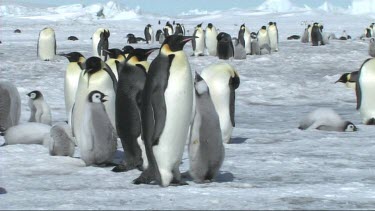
270	164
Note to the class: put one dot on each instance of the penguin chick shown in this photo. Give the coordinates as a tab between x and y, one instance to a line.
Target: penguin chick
40	111
371	50
61	142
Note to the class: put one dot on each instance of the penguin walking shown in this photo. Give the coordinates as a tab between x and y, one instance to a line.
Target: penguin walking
100	43
349	79
198	41
239	50
225	49
273	34
46	44
206	149
371	50
165	123
316	35
149	34
10	105
222	80
72	73
211	41
98	140
115	54
40	111
128	109
364	92
264	40
244	37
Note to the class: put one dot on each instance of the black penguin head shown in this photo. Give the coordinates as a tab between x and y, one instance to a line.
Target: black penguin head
316	24
274	23
35	95
308	26
93	65
350	127
130	35
344	78
141	54
96	97
210	26
270	23
148	25
169	24
175	42
223	37
114	53
127	49
264	27
242	27
199	25
73	56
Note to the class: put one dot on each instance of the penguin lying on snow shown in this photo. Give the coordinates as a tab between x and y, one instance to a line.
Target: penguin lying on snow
26	133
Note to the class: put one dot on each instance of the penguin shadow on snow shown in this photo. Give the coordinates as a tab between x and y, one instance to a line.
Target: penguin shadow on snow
237	140
221	177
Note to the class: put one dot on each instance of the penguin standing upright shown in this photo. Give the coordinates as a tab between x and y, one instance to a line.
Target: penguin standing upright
126	50
273	34
179	30
198	41
263	40
239	50
225	49
98	140
72	73
40	111
168	29
100	43
165	123
10	105
211	41
128	109
305	36
309	30
365	88
149	34
244	37
46	44
371	50
222	80
115	55
158	33
316	35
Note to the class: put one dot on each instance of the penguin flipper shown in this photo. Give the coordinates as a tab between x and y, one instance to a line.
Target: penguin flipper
233	84
193	42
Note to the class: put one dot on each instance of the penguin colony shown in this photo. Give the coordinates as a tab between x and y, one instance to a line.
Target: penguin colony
119	94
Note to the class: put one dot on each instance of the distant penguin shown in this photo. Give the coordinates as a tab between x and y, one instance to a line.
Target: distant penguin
140	40
316	35
255	48
149	34
61	142
158	33
239	50
273	35
10	105
349	79
161	38
98	139
198	41
206	149
131	39
165	123
179	30
371	50
294	37
47	44
168	29
368	32
126	50
211	41
17	31
326	119
72	73
364	91
72	38
26	133
100	43
309	30
305	36
115	55
159	22
128	109
263	38
40	111
244	37
222	80
225	49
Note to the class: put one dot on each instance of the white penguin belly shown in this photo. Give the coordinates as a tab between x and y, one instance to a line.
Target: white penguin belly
211	42
199	43
367	109
70	87
263	39
273	39
95	43
46	45
247	38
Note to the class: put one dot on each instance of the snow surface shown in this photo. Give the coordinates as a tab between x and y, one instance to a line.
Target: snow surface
270	164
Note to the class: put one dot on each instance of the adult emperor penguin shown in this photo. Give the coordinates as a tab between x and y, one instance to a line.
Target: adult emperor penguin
309	30
305	36
179	30
128	109
316	35
225	49
364	91
165	123
100	43
168	29
97	75
10	105
98	140
115	54
46	44
222	80
239	50
349	79
149	34
158	33
126	50
244	37
72	73
263	38
211	41
273	34
198	41
371	50
206	149
40	111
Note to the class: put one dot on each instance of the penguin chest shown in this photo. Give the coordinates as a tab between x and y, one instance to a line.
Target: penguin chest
46	46
211	41
272	32
71	83
367	86
199	48
247	39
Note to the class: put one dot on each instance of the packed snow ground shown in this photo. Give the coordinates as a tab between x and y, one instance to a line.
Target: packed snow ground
270	164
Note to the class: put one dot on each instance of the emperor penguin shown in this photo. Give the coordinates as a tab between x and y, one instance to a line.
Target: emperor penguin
305	36
72	73
149	34
115	54
40	111
128	109
98	140
10	105
100	43
198	41
165	123
126	50
61	141
222	80
97	75
273	34
168	29
365	88
244	37
46	44
206	149
326	119
309	30
26	133
316	35
349	79
158	33
225	49
255	48
263	38
371	50
211	41
368	32
239	50
179	30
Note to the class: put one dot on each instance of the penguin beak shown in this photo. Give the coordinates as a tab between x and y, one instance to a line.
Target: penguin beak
104	100
188	38
64	55
107	51
151	50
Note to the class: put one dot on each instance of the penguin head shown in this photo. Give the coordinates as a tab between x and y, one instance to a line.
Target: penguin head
140	53
200	85
93	65
114	53
350	127
264	27
199	25
35	95
210	25
344	78
174	43
270	23
130	35
73	56
148	25
96	97
242	27
127	49
235	41
223	37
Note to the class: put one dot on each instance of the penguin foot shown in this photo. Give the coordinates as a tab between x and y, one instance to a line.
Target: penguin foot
178	183
144	178
185	175
127	166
